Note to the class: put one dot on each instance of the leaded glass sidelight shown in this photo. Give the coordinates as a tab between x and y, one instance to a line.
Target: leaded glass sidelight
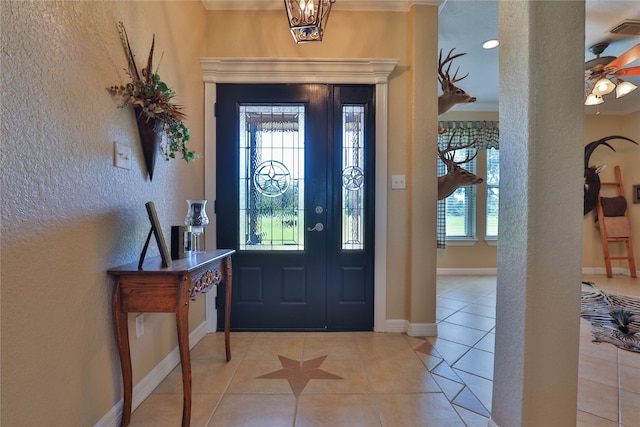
271	177
353	177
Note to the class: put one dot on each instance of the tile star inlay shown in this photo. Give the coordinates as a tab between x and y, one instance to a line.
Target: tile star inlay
299	373
427	348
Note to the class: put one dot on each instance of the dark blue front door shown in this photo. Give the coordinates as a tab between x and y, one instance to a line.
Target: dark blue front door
295	186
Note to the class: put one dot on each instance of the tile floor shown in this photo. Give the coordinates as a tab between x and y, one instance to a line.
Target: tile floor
376	379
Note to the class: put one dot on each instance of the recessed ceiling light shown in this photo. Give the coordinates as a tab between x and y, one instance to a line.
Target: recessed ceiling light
490	44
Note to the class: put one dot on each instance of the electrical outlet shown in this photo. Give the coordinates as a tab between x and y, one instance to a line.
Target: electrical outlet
398	182
121	156
139	325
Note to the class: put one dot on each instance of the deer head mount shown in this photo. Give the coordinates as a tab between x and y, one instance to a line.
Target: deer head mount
591	173
456	176
451	94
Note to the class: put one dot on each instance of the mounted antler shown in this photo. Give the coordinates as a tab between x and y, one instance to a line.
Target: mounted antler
456	176
591	178
451	94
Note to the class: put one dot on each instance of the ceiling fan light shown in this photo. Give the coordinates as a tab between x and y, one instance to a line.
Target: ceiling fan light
593	99
624	88
603	87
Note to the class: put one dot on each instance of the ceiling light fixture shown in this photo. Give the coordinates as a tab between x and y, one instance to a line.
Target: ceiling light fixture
603	86
308	19
490	44
593	99
624	88
603	74
595	90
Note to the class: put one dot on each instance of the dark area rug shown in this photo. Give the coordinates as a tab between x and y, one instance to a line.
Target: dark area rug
615	319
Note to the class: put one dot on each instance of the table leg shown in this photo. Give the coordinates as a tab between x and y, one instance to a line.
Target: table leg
227	306
182	323
120	319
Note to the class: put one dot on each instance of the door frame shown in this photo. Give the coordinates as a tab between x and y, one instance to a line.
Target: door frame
301	71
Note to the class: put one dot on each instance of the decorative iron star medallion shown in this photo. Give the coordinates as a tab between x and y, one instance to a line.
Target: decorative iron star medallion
299	373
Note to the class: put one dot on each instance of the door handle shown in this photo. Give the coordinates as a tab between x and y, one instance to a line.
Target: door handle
318	227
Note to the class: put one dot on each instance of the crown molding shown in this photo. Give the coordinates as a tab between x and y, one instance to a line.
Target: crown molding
302	70
359	5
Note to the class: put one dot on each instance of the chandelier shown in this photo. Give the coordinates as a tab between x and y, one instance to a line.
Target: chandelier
308	18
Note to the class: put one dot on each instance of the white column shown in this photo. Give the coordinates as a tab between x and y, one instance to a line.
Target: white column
540	243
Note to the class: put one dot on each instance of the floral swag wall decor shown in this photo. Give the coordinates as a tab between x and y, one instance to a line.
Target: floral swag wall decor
156	113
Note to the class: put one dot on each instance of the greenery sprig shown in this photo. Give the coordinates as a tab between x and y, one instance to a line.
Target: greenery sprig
149	95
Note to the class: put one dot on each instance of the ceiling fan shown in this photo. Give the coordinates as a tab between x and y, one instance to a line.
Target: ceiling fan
602	71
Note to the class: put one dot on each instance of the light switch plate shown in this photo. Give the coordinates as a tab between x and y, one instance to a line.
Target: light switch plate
121	156
398	182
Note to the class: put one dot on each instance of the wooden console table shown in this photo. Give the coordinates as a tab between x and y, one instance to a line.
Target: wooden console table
154	288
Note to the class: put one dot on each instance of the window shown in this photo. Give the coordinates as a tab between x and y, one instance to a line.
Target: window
460	207
353	176
271	164
470	211
493	192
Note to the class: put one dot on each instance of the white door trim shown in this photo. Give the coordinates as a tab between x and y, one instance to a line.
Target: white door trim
305	70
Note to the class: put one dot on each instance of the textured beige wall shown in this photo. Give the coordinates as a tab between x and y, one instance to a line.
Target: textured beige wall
67	213
348	35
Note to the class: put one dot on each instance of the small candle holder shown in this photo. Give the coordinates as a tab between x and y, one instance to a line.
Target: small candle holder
197	219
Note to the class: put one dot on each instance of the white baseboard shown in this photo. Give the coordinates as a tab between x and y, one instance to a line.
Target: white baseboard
494	271
422	330
397	325
466	271
603	271
412	329
145	387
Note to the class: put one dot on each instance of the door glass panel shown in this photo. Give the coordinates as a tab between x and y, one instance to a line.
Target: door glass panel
271	177
353	178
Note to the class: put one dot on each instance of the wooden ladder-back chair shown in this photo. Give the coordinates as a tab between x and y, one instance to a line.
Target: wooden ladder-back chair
613	221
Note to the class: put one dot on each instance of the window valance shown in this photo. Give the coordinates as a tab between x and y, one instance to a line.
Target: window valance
486	133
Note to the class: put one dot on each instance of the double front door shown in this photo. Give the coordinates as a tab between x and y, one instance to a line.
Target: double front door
295	187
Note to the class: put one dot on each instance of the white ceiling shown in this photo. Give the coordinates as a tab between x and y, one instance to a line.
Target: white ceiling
465	25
